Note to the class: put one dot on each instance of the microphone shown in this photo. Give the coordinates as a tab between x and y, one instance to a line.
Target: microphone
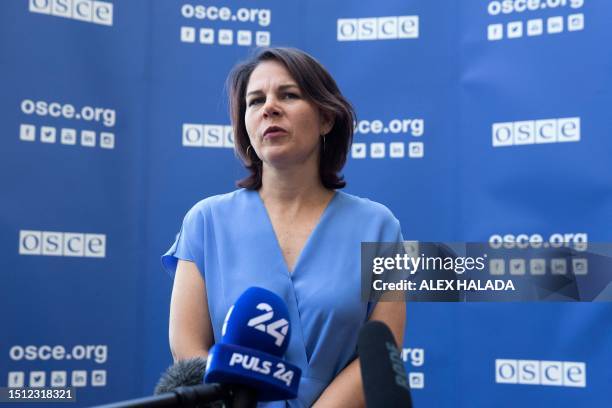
185	378
255	336
385	383
181	386
180	374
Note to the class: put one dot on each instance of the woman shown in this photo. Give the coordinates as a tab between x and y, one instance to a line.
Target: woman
288	229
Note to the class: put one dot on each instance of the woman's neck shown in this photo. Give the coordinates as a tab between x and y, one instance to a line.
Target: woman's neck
295	185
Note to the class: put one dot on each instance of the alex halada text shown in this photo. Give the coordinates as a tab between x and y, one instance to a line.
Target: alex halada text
446	285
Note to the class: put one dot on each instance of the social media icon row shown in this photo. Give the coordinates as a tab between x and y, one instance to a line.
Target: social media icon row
535	27
537	266
78	378
378	150
66	136
225	36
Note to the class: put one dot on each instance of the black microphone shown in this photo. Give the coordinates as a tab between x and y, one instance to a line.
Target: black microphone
181	386
385	382
182	376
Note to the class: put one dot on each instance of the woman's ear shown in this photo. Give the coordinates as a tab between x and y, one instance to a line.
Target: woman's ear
327	122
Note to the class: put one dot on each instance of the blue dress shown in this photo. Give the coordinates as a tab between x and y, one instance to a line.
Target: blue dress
231	239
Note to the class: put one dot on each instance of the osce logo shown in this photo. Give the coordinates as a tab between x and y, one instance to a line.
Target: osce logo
96	12
203	135
538	372
378	28
536	132
53	243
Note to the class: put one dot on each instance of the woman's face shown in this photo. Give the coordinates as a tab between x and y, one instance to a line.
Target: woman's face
284	128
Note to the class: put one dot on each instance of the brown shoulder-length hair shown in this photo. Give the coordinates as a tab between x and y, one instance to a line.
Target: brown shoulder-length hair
318	87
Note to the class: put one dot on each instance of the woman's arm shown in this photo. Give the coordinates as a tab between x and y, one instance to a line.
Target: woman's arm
346	390
191	333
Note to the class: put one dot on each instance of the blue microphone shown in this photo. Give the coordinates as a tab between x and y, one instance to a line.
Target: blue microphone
256	334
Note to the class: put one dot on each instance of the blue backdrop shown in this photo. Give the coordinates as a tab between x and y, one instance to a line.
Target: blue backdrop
477	120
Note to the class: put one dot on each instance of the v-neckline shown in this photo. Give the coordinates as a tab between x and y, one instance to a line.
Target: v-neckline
306	245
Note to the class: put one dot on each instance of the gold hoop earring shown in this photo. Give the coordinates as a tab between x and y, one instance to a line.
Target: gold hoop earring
256	159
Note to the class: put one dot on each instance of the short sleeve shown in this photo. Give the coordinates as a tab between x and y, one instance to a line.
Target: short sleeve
189	243
391	243
393	231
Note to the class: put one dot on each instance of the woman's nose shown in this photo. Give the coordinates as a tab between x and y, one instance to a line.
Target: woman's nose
271	108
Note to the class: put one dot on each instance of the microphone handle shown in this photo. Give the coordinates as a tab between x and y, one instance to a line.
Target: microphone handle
193	395
168	399
243	397
187	396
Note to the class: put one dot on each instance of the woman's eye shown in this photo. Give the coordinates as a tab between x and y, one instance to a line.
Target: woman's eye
254	101
291	95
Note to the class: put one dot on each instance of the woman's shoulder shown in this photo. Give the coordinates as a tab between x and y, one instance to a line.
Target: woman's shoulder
364	207
220	202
